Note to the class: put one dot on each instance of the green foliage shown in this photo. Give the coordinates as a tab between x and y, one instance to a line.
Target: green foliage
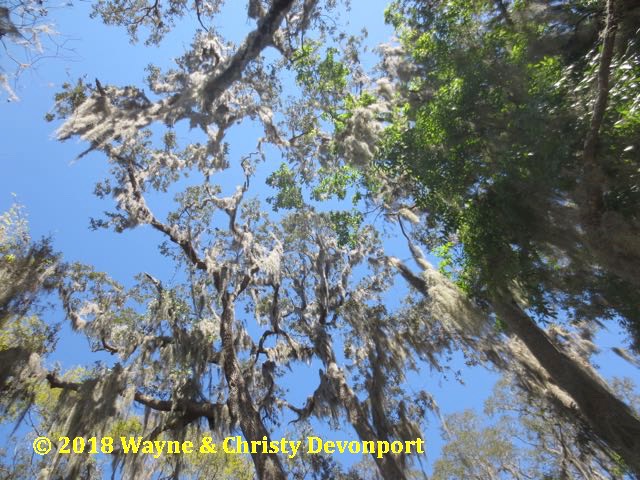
445	253
520	435
623	139
326	75
473	450
130	427
29	332
347	226
351	102
69	99
491	138
289	192
27	268
231	467
335	183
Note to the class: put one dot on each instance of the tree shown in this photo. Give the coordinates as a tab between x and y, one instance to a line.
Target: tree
537	77
184	351
260	292
27	37
508	145
460	135
27	271
298	294
525	439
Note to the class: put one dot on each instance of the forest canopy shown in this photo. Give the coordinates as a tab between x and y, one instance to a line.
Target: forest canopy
347	219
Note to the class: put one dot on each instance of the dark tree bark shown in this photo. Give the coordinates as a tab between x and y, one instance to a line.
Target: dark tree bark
387	465
241	405
609	418
612	239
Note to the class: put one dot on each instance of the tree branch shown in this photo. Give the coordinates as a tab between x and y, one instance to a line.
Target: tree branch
504	13
191	408
608	42
255	42
181	240
592	171
110	124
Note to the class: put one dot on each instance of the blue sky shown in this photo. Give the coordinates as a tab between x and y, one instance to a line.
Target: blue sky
57	190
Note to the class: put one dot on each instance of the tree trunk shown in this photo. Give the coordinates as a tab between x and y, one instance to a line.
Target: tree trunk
387	465
609	418
241	405
612	238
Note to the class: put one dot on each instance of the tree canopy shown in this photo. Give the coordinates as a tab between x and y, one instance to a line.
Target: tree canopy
499	136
